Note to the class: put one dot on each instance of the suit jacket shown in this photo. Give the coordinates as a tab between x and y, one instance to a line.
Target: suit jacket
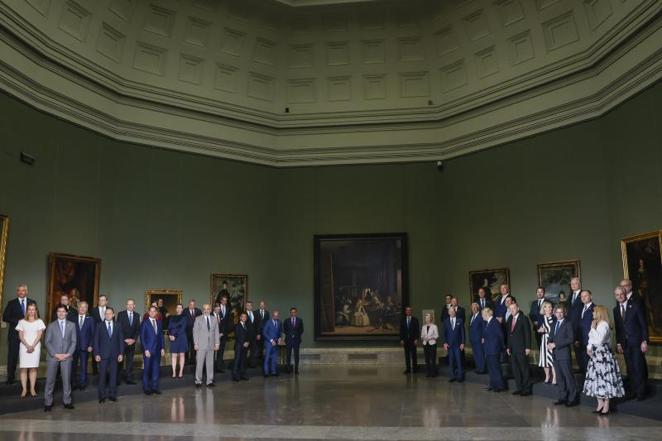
488	303
226	326
411	332
129	330
444	314
518	339
54	342
534	314
252	324
13	314
429	337
241	335
108	347
500	308
574	310
634	329
584	325
563	340
293	333
461	313
96	315
271	331
150	341
259	321
493	338
454	337
476	327
85	335
190	321
72	314
206	339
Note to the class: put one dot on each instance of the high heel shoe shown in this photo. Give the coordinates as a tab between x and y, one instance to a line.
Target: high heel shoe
33	394
598	411
604	413
24	394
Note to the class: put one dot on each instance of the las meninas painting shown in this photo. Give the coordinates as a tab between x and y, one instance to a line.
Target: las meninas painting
360	286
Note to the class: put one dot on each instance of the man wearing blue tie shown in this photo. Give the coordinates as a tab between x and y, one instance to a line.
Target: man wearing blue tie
494	345
293	328
85	337
454	344
476	325
13	313
271	331
108	352
151	337
560	341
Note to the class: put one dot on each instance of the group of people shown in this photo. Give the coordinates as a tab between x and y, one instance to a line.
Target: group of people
499	331
196	336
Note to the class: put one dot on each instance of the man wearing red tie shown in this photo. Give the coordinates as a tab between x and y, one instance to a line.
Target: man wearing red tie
293	329
518	342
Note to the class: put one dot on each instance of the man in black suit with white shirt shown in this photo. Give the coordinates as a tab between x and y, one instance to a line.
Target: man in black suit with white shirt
14	312
410	333
129	322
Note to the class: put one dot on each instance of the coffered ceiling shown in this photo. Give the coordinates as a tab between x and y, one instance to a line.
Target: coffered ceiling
276	83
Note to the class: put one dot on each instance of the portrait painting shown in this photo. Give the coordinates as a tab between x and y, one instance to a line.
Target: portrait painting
490	279
360	286
555	278
4	233
75	276
232	286
165	300
642	264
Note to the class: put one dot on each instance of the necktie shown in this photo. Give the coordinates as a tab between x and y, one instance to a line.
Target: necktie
556	330
262	314
250	315
208	325
130	318
274	322
408	320
512	327
482	303
453	324
623	311
584	310
62	328
81	320
23	306
156	330
293	321
110	331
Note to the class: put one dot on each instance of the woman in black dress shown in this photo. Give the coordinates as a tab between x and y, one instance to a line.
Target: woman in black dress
178	343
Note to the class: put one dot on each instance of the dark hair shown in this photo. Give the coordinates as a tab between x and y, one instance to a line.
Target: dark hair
541	287
152	307
179	304
110	308
293	308
59	306
512	299
562	307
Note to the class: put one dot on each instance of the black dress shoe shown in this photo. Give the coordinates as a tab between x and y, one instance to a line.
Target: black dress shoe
461	380
130	382
157	392
245	378
210	385
525	394
113	399
198	385
102	400
69	406
148	392
407	372
560	402
8	382
48	408
517	392
266	375
452	380
235	379
275	375
572	403
82	387
499	390
296	372
489	389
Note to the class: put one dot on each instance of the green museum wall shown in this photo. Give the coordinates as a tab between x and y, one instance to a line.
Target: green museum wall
164	219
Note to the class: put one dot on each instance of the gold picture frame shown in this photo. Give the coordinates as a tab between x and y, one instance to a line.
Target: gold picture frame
171	297
4	234
642	264
233	286
555	277
491	278
76	276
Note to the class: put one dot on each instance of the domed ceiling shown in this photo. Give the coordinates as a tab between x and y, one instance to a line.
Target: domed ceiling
309	82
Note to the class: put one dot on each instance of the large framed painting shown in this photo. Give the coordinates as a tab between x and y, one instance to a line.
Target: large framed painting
4	233
76	276
555	278
642	264
165	300
234	287
490	279
360	286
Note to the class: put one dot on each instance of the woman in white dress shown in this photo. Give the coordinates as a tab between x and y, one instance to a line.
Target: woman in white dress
30	330
546	359
603	376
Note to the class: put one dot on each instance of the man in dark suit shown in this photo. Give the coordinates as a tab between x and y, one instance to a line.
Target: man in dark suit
242	334
444	310
494	346
293	329
410	332
632	341
459	311
483	300
129	322
151	340
225	328
573	315
454	344
261	317
534	314
476	326
500	306
255	334
561	339
85	327
518	343
14	312
72	314
108	352
583	328
98	313
192	312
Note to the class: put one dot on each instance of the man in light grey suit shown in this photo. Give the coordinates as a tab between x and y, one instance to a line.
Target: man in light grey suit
60	345
206	341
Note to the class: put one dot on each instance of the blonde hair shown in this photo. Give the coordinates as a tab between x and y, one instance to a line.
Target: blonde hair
544	304
600	314
36	311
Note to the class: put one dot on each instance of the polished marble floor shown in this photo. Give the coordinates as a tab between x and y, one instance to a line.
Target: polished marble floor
329	403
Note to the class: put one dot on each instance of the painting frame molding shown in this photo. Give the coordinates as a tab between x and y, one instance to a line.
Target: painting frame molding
575	263
504	269
164	292
4	237
53	258
657	339
404	256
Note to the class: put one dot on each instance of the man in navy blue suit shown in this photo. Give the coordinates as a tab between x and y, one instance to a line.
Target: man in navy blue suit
410	333
293	329
500	306
583	328
573	315
108	352
561	338
151	338
454	344
632	341
476	325
85	327
129	321
483	300
271	330
494	347
534	313
13	313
